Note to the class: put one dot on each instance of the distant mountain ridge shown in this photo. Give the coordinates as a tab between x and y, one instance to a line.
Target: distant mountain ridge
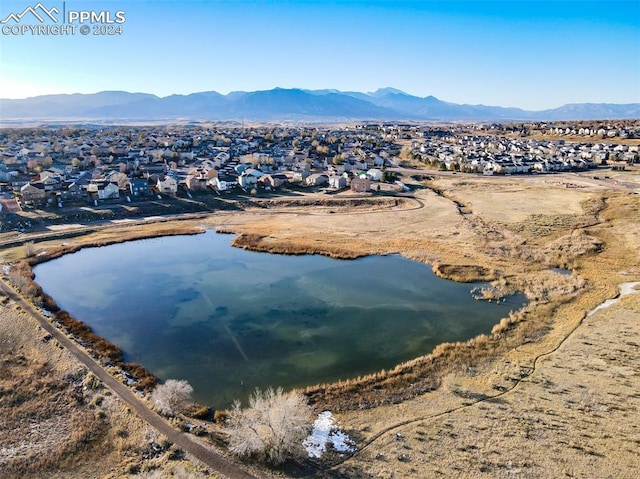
288	104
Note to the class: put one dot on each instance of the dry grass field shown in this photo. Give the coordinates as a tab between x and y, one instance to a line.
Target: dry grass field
547	394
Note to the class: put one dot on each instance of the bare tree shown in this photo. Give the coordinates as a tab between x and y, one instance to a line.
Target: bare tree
29	249
171	396
272	428
17	279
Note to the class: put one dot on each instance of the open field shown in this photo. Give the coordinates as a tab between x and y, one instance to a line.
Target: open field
544	392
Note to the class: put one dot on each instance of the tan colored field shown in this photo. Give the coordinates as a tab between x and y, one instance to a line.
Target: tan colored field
552	404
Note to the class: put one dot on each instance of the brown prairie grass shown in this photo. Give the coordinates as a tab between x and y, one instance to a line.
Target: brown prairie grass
42	418
256	242
465	273
57	420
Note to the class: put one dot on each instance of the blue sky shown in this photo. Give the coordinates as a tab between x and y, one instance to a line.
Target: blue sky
528	54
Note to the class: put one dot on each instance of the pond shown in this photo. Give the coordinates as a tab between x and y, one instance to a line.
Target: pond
229	320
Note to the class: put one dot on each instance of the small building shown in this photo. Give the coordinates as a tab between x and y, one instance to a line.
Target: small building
139	187
247	181
337	182
33	192
221	185
196	182
72	191
300	176
168	186
274	180
108	191
374	174
360	185
317	179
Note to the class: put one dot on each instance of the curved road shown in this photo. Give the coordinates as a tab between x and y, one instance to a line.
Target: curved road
93	226
190	445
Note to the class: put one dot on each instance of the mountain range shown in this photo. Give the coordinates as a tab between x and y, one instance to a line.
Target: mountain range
287	104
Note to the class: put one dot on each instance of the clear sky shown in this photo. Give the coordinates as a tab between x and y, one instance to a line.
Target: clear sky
528	54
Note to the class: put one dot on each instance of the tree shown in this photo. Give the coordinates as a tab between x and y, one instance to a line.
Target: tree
171	396
33	165
272	428
29	249
322	150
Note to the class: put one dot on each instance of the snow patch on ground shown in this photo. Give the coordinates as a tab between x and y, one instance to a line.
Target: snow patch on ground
625	289
326	432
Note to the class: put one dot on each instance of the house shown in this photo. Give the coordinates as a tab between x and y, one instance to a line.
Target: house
139	187
317	179
52	183
274	180
196	182
374	174
221	185
337	182
108	191
72	190
167	186
254	172
205	170
360	185
300	176
33	192
246	180
5	174
241	167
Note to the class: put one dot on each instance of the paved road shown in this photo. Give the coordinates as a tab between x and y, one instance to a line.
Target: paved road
59	231
188	443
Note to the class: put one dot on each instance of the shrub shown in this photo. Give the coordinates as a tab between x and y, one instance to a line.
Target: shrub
272	428
171	396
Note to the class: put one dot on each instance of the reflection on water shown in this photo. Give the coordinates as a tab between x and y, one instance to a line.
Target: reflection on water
228	320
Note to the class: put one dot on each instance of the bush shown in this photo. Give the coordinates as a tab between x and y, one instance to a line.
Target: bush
272	428
29	249
171	396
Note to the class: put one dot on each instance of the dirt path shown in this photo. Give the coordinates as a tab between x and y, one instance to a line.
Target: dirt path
73	230
191	446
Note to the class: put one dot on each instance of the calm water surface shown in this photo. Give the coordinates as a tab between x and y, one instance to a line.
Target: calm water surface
228	320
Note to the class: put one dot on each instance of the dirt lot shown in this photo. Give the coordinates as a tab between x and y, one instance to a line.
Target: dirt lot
522	402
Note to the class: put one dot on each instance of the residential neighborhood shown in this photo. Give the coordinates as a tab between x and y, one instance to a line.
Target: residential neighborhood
76	166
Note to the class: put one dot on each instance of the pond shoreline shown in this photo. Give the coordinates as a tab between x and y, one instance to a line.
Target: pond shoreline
422	372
